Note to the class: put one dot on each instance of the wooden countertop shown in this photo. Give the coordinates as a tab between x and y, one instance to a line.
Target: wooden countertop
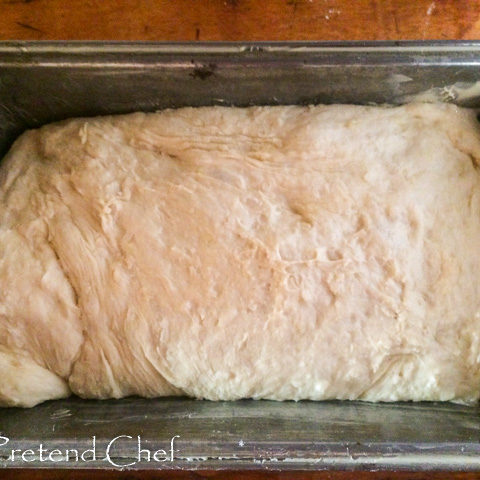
239	19
233	20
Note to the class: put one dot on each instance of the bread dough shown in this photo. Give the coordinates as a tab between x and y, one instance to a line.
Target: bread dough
327	252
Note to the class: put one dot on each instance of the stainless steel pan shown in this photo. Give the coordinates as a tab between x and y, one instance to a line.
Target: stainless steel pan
42	82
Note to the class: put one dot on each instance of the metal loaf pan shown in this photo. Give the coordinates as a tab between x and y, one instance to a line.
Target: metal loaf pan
43	82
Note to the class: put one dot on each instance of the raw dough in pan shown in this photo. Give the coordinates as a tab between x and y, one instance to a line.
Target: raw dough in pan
328	252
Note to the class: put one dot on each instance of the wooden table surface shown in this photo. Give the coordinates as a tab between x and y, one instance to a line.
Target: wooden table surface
203	20
239	19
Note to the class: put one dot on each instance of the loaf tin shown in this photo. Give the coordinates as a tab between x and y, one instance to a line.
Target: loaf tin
43	82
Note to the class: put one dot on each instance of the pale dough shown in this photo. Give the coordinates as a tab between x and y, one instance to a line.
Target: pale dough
328	252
